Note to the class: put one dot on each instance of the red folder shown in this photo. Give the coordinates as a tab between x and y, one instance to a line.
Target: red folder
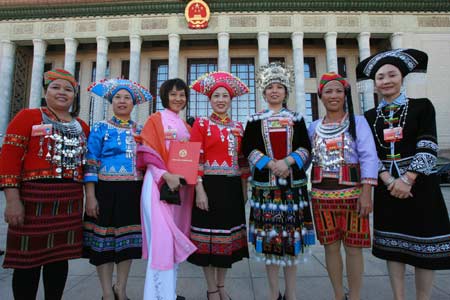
183	160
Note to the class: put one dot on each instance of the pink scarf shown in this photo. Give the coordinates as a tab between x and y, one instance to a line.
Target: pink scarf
169	244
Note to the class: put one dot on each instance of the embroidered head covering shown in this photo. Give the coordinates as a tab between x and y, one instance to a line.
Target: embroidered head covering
209	82
107	88
275	73
331	76
52	75
406	60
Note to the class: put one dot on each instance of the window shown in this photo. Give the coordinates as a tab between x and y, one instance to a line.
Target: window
309	68
125	70
159	72
94	71
312	111
245	105
48	67
342	67
77	71
198	105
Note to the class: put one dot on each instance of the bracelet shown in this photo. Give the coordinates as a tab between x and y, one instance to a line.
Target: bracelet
409	178
405	179
287	162
199	179
391	180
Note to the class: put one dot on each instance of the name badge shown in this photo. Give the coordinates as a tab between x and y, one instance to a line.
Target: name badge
393	134
285	122
274	123
42	129
334	144
170	134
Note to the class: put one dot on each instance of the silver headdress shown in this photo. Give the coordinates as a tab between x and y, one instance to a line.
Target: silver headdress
275	73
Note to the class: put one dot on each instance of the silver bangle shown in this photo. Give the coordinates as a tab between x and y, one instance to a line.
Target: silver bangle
391	180
199	179
405	180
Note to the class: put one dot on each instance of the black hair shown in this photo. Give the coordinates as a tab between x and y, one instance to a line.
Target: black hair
351	114
168	85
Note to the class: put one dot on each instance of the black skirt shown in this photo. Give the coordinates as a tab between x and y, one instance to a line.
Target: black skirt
115	235
220	234
416	230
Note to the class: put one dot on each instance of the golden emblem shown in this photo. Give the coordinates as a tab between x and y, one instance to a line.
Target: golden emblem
197	14
182	153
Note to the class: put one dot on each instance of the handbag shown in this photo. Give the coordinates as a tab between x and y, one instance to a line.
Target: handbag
171	197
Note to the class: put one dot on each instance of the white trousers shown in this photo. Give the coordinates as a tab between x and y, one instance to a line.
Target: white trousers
159	285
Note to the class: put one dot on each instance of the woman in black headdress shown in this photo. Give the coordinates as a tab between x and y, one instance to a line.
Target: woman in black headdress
411	223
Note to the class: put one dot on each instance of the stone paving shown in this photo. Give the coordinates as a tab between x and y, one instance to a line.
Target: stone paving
246	281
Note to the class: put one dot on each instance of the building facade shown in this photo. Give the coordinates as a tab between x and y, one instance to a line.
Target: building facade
150	41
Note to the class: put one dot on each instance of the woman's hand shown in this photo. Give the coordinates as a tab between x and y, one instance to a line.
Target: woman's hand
364	205
14	210
399	189
201	199
281	169
92	209
172	180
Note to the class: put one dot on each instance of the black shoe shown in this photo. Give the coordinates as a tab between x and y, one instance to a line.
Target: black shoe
279	297
116	296
180	297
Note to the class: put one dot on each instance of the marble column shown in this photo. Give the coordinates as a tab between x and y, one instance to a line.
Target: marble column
263	59
71	54
330	42
263	48
396	40
174	54
366	86
224	56
135	63
298	59
37	73
100	73
6	84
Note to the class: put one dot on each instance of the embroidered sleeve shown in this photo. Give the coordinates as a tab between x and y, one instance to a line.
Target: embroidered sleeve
197	134
426	147
425	158
301	155
253	145
93	155
14	148
367	152
258	159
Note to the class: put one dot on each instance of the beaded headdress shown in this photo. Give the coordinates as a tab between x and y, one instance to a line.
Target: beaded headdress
107	88
209	82
275	73
406	60
52	75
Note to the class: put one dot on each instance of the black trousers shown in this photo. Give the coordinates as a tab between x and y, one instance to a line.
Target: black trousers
25	282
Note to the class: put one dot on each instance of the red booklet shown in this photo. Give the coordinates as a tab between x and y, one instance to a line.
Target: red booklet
183	160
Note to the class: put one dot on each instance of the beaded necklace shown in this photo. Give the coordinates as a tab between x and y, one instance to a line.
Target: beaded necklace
389	120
